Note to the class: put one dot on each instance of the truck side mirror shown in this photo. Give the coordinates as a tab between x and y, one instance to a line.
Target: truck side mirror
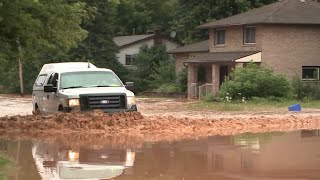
129	86
49	88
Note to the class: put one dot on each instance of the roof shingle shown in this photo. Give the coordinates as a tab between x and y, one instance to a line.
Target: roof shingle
281	12
125	40
219	57
202	46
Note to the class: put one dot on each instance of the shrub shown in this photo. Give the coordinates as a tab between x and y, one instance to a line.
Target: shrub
305	89
163	73
168	88
210	98
255	81
182	80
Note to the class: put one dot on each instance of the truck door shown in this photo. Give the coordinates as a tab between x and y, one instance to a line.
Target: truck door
38	92
52	100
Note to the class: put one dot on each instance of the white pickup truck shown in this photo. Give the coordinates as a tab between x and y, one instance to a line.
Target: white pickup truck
70	85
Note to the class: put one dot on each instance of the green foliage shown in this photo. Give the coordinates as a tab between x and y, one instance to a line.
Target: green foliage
4	163
189	14
168	88
41	28
99	47
162	73
182	80
254	81
147	62
73	30
141	15
306	89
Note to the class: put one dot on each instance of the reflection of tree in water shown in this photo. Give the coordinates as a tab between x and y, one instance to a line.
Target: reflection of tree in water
20	153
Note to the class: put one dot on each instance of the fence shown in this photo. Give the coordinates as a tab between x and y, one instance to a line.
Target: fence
205	89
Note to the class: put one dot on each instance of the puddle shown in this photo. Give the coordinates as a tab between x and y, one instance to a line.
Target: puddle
264	156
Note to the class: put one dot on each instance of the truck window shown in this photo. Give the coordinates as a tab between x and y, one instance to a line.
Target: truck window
53	79
41	79
88	79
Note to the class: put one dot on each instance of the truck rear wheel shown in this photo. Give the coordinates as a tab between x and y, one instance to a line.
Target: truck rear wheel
36	110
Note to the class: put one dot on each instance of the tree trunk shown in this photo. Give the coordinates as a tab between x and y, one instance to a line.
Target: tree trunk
20	69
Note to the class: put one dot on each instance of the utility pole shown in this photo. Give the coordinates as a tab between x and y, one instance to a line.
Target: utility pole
20	67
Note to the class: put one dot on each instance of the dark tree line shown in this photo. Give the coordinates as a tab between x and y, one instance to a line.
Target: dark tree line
35	32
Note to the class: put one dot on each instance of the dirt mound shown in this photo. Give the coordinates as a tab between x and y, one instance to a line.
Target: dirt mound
154	128
70	121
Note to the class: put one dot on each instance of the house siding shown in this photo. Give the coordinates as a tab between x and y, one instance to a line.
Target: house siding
135	49
132	50
179	59
234	40
286	48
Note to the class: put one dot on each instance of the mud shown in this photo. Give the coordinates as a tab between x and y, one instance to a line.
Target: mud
134	127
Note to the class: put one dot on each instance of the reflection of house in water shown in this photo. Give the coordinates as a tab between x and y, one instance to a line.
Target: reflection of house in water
54	162
249	156
290	155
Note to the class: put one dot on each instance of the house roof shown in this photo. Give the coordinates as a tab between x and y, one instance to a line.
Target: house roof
281	12
219	57
202	46
126	40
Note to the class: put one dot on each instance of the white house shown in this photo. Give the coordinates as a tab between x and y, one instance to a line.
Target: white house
129	46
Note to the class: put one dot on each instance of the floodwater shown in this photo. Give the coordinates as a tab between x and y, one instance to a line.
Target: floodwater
263	156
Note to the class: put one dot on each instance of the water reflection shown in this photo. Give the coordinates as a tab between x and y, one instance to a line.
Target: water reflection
270	156
55	162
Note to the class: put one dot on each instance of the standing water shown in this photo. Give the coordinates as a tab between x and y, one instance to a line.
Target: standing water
263	156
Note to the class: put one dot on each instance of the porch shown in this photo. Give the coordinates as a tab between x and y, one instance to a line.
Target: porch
207	71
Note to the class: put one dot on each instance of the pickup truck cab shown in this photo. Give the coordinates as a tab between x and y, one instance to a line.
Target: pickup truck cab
81	85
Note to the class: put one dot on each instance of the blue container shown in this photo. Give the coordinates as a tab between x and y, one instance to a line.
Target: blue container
295	107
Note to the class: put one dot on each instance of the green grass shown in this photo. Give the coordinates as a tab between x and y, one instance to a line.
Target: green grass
4	163
253	105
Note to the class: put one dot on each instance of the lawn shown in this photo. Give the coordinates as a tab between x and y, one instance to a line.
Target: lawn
253	105
4	163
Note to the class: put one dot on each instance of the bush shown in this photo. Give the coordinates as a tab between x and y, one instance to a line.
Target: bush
182	80
254	81
306	89
162	74
168	88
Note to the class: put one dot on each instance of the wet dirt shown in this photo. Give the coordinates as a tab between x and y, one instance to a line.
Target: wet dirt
158	120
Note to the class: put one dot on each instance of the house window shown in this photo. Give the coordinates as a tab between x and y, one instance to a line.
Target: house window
129	59
249	35
310	73
219	37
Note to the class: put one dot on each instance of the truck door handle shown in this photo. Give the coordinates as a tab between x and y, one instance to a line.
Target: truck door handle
48	96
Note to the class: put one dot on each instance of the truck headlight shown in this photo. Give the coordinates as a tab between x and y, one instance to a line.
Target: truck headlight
131	101
73	102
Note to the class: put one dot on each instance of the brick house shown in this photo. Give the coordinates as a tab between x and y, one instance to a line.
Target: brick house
129	46
284	36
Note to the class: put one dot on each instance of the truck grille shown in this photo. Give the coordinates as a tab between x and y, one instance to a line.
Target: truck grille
103	102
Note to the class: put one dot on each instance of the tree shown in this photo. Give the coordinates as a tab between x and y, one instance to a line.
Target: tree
99	47
146	62
31	28
138	16
190	14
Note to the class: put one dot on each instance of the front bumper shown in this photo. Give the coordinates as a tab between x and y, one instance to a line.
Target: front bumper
132	109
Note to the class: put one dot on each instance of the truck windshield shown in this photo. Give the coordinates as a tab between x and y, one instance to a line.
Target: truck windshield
87	79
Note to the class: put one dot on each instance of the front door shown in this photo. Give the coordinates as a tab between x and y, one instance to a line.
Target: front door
224	72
